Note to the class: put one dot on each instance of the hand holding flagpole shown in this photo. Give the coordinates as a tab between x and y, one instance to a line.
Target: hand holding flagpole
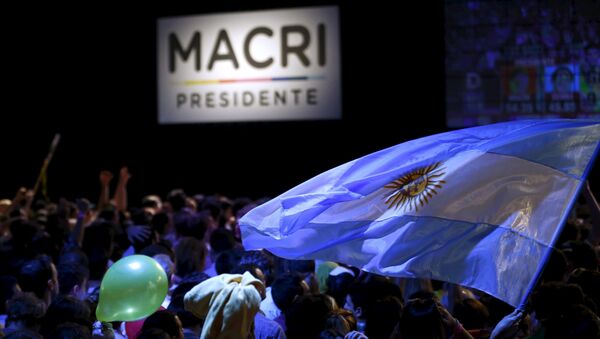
42	176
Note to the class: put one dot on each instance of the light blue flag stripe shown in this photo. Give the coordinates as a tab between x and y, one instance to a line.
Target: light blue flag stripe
487	257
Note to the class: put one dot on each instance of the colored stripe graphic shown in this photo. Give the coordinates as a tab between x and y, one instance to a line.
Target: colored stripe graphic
233	81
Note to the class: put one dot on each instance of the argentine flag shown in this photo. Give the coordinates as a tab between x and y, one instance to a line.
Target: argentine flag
480	207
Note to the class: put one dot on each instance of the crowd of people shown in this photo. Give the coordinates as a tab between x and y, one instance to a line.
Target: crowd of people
53	257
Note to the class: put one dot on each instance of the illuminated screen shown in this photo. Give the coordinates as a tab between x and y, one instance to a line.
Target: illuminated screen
508	60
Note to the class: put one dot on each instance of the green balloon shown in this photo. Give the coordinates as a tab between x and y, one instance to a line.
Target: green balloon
132	288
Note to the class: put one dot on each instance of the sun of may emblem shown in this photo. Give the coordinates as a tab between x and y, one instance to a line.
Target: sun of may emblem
414	189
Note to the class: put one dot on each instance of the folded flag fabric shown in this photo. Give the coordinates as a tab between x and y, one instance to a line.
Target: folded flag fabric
227	303
480	207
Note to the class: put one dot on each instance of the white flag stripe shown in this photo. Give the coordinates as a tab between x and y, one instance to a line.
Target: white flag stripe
479	188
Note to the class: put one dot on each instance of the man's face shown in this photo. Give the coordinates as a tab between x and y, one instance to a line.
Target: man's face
563	81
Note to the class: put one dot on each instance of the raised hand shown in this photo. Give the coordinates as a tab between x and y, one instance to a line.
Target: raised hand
508	326
105	177
138	233
124	174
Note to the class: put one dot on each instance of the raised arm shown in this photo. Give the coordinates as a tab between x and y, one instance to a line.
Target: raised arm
76	236
105	178
23	200
121	191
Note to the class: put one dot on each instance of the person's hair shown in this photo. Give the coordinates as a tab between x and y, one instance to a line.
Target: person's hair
498	309
7	290
423	294
140	244
43	244
421	319
176	199
382	316
159	222
69	330
331	334
190	254
158	248
34	275
239	203
26	308
98	263
191	225
307	316
152	201
70	275
22	232
74	256
23	334
472	314
285	289
338	287
165	262
139	216
252	269
338	322
262	260
301	266
221	240
153	333
64	309
165	320
187	318
100	235
377	287
213	205
349	316
98	242
556	268
228	260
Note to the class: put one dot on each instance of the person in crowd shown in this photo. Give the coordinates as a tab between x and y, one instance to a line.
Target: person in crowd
307	316
72	280
192	325
8	288
285	289
427	318
63	309
166	321
40	277
190	254
221	240
24	312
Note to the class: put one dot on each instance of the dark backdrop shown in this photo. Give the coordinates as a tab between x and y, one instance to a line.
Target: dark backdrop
91	76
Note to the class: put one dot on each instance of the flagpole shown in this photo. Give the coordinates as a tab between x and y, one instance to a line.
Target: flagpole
557	233
47	160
